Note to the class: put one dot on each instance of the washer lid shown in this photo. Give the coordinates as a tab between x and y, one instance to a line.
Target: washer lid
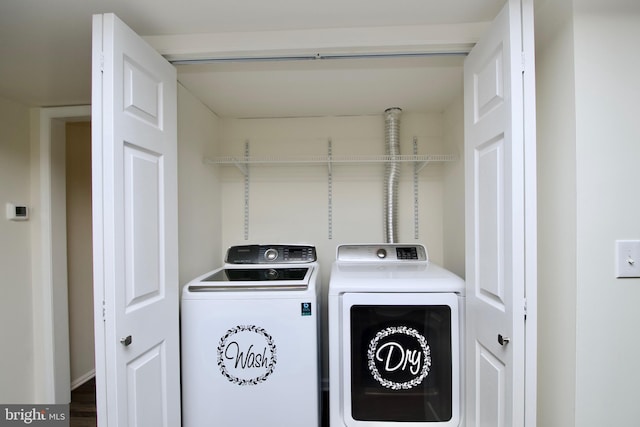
257	274
254	278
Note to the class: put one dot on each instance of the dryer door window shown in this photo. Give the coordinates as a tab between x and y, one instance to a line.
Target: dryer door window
404	361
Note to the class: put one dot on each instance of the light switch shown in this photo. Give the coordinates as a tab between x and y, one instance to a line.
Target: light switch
627	258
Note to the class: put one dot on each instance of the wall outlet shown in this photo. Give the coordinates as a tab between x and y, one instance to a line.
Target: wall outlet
627	258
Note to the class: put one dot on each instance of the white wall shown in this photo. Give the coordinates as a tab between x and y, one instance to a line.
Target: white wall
16	336
556	213
607	60
199	215
453	190
588	149
290	203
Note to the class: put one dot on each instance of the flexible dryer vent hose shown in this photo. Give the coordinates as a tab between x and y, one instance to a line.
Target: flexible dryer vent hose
392	142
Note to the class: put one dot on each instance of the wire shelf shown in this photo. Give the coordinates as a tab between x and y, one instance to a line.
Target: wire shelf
311	159
244	163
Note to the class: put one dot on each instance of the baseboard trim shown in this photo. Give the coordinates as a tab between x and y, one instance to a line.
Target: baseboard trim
82	379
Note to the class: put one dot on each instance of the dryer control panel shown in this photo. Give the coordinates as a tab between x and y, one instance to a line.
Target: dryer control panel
387	252
271	254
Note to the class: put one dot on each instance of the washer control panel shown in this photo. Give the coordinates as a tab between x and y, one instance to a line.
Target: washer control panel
271	254
387	252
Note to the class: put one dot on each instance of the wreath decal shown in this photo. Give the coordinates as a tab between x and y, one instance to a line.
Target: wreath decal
424	347
223	343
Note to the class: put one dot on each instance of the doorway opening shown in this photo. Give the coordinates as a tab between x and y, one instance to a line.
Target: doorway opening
79	251
50	253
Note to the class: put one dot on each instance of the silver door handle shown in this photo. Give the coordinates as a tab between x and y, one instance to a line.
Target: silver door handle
503	340
126	341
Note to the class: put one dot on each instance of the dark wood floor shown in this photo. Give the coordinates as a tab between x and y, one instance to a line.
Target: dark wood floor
82	410
83	406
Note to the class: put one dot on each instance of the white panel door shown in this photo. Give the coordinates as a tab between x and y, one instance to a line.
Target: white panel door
134	132
496	218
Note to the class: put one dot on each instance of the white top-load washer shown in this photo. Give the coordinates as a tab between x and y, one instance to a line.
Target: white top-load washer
250	340
395	339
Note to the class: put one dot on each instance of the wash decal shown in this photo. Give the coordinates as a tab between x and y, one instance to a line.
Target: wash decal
399	358
246	355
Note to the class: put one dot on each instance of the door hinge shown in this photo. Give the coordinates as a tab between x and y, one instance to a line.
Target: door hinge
101	62
524	307
522	62
104	311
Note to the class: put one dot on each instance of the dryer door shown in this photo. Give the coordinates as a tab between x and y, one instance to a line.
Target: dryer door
401	359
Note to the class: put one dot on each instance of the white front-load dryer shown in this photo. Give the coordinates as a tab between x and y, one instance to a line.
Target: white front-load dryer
395	339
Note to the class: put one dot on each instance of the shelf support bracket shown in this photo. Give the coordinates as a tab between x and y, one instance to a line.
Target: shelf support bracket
329	190
417	167
246	189
420	165
243	166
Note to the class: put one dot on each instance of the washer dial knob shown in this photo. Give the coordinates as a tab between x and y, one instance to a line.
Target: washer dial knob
271	254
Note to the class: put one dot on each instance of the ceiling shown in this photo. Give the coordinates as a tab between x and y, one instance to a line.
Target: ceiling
328	87
46	53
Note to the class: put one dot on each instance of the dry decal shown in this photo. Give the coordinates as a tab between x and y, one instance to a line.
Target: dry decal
246	355
399	358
